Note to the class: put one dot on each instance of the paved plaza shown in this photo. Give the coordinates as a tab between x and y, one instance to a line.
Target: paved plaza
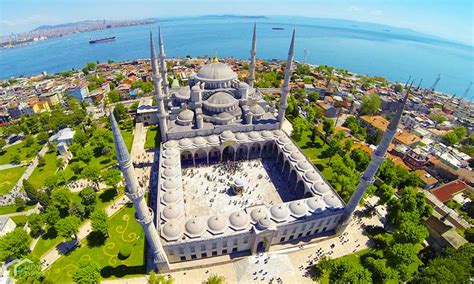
207	188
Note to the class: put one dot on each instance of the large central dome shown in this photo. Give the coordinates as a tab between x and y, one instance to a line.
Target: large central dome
216	71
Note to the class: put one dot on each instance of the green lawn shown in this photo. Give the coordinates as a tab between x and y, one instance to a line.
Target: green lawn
27	152
40	173
9	177
50	240
314	152
128	138
13	208
124	232
152	137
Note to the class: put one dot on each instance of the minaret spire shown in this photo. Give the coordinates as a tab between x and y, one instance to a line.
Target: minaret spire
162	114
163	69
253	54
285	90
144	214
378	156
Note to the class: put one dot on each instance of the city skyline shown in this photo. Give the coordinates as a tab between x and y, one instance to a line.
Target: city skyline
453	22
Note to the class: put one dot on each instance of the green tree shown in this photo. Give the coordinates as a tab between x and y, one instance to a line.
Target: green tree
42	137
15	158
346	272
61	199
112	178
411	232
29	271
100	222
299	127
81	137
14	244
451	138
89	199
370	105
35	223
381	273
87	273
92	173
114	96
385	192
68	227
215	279
403	257
361	159
51	216
41	161
120	112
85	154
78	210
328	127
159	279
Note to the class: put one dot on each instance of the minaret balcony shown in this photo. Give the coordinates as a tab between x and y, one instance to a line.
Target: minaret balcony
137	195
147	218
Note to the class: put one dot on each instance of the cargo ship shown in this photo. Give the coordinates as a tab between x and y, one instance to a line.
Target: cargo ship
278	29
105	39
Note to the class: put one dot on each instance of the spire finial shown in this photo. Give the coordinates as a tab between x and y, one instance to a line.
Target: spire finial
215	60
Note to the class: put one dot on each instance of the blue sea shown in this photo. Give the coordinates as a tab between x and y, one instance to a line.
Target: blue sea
363	48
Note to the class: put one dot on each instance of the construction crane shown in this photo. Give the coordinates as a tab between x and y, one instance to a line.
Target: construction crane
305	56
430	90
464	95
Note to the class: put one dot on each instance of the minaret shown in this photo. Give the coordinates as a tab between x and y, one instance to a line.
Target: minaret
253	54
162	115
285	89
378	156
144	214
163	69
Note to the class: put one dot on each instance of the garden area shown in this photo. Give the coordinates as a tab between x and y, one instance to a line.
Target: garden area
121	254
47	166
22	152
153	138
9	178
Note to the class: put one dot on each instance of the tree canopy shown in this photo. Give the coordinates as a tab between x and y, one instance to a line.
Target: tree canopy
88	272
370	105
14	244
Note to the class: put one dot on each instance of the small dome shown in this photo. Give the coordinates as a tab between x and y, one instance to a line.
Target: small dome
170	184
199	141
332	201
258	213
279	212
216	71
289	148
264	222
239	220
195	227
304	166
171	172
277	132
227	135
213	139
171	212
240	136
172	231
296	156
217	224
171	144
183	94
171	196
171	162
239	182
321	187
267	134
298	208
315	203
171	152
283	140
257	110
254	135
186	115
311	176
185	142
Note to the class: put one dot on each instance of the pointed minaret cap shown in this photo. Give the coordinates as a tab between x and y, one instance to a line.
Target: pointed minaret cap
292	45
152	46
254	38
396	119
160	42
120	148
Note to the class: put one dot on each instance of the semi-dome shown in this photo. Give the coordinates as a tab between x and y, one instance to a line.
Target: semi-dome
199	141
304	166
258	213
183	94
298	208
170	144
195	227
185	142
321	187
171	152
170	184
220	101
277	132
227	135
239	220
186	115
171	212
240	136
332	201
283	140
311	176
279	212
267	134
289	148
254	135
217	224
172	230
213	139
257	110
216	71
296	156
171	196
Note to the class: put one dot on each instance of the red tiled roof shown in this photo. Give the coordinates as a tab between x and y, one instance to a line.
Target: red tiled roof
447	191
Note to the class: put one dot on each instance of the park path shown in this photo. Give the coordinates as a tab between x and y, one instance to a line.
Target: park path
24	213
86	228
11	166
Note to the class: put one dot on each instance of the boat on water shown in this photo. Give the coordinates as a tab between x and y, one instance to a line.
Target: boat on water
99	40
277	28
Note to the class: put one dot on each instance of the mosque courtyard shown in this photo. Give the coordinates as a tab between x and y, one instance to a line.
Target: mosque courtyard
208	188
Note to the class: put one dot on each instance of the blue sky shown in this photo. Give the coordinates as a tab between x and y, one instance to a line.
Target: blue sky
451	19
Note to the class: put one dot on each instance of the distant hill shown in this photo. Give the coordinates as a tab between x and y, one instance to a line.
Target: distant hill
69	25
236	16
